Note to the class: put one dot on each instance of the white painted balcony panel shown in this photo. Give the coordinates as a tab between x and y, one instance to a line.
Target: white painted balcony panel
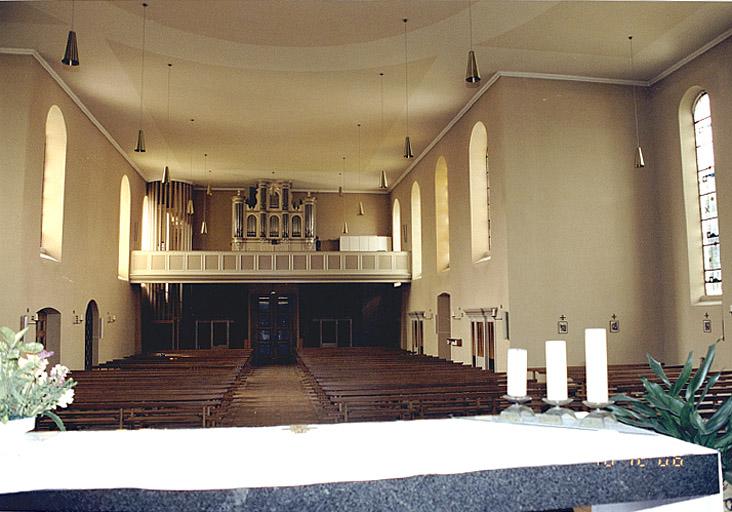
294	267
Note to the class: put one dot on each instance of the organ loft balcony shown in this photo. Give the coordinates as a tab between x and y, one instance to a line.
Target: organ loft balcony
273	238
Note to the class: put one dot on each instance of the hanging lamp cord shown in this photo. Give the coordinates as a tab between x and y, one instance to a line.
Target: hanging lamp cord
406	74
142	69
635	99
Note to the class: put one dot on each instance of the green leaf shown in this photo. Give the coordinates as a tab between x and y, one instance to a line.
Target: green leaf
684	375
660	399
710	383
728	477
658	369
721	417
20	334
31	348
723	442
626	413
701	373
56	420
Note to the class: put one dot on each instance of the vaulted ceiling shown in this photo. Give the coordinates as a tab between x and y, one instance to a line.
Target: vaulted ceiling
279	86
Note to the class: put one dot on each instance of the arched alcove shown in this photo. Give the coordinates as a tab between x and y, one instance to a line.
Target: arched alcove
48	332
444	326
54	178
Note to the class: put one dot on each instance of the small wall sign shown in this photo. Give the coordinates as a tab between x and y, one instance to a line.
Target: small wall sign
562	327
707	326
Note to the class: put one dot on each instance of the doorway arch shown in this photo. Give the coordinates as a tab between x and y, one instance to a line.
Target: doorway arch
48	333
91	335
443	326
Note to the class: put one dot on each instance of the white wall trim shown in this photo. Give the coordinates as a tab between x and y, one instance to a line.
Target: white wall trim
492	80
549	76
573	78
65	87
711	44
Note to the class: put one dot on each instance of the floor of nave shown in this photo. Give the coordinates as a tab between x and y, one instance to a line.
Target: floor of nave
272	395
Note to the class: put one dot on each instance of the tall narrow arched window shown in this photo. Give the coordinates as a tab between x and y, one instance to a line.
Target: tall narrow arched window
442	216
146	243
396	226
707	192
416	232
54	177
123	261
480	213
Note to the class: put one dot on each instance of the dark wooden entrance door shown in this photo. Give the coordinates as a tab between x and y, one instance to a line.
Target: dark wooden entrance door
273	328
89	325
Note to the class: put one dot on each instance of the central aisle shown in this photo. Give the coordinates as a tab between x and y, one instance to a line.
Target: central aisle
272	395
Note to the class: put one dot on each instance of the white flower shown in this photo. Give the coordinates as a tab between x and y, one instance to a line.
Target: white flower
41	377
58	373
66	398
25	362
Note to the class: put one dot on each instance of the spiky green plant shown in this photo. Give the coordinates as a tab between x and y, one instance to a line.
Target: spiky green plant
672	408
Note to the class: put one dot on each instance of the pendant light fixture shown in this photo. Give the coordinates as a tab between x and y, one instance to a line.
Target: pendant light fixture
166	170
407	143
140	147
472	74
343	199
383	182
639	161
71	54
204	228
361	211
189	206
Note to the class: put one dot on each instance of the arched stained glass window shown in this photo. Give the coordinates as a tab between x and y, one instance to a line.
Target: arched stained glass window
480	213
707	187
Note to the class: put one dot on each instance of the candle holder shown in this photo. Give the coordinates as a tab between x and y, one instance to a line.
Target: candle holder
558	408
517	409
598	416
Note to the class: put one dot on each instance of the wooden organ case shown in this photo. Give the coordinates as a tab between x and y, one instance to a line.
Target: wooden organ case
269	219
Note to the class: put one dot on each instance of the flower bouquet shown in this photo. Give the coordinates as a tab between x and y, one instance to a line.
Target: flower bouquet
26	389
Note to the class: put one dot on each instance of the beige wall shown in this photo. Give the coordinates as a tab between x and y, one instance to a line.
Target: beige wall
683	317
94	170
569	216
328	217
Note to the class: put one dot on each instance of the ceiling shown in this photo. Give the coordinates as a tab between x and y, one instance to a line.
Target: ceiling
277	87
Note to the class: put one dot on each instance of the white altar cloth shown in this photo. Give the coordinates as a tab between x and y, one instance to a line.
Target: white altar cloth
226	458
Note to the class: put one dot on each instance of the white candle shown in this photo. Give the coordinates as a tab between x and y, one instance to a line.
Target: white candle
517	372
596	365
556	370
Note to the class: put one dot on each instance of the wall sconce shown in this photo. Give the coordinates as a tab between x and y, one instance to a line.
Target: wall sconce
76	319
111	318
460	314
27	319
429	315
493	312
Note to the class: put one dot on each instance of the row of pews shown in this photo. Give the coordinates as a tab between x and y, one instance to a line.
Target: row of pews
370	384
378	384
176	389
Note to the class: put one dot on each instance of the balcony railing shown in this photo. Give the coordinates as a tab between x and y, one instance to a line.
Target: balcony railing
249	267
